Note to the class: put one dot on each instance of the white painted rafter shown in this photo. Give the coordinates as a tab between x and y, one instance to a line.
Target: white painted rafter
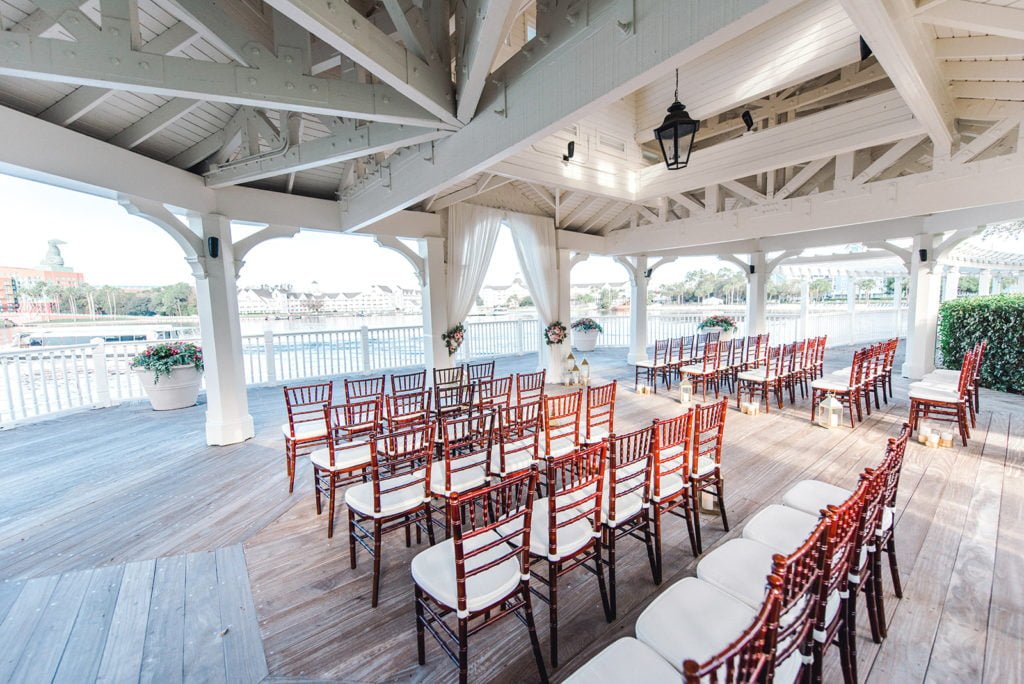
338	24
898	42
486	183
154	122
483	25
976	17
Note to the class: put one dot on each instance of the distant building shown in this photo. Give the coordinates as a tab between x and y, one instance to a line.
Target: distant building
374	299
494	296
15	280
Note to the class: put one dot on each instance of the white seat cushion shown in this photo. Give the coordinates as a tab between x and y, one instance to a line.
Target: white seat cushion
309	429
756	376
843	372
832	384
927	385
571	538
739	567
561	447
929	393
625	660
434	571
671	484
344	458
650	364
888	519
692	619
780	528
519	459
705	466
813	496
598	433
626	506
462	480
788	670
695	369
401	500
943	375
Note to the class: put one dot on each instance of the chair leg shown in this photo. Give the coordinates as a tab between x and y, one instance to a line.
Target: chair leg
691	523
961	419
611	608
376	563
330	505
316	492
652	539
872	605
720	489
553	608
421	647
532	627
463	651
847	649
878	592
290	457
351	539
695	496
602	587
814	404
894	570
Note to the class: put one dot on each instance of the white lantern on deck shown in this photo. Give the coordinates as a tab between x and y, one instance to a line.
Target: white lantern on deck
570	362
574	375
685	391
830	412
585	372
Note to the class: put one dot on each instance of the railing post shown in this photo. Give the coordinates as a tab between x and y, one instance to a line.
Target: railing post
99	369
268	355
364	346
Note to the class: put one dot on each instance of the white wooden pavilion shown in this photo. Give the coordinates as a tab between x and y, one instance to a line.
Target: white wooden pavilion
418	120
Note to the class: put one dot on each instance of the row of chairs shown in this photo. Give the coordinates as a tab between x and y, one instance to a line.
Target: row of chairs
950	395
593	496
856	384
782	370
820	550
675	353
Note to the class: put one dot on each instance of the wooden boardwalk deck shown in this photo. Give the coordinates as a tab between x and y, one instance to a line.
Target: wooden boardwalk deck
130	552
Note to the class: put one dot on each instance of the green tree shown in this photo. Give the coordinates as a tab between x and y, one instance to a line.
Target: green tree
819	288
525	301
607	298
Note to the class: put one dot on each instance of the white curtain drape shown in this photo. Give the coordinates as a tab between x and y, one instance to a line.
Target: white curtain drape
472	232
534	238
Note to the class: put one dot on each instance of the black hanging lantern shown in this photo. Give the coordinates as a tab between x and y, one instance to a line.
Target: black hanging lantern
676	134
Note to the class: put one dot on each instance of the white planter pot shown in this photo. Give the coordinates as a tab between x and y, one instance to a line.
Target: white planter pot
723	335
179	390
584	340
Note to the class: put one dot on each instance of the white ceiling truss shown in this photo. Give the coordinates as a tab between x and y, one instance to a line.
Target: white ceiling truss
381	106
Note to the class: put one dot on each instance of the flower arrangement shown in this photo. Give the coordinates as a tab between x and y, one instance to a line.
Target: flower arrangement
555	333
586	325
453	338
726	323
163	358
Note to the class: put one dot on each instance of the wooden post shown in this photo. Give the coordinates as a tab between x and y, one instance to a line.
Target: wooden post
99	369
268	354
364	347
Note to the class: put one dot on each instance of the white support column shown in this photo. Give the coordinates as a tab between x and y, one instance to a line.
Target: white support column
851	307
952	285
227	405
985	282
558	352
757	293
923	316
897	303
805	307
637	310
435	303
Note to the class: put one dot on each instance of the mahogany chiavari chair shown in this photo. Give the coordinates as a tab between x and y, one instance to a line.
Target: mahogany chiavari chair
669	482
493	393
396	497
466	442
600	413
409	383
407	409
705	372
344	461
687	353
452	400
872	374
305	427
706	460
756	352
943	403
562	423
530	386
654	368
518	438
845	391
624	510
861	578
475	372
736	360
566	527
762	380
788	370
950	378
481	574
800	377
364	388
447	377
819	357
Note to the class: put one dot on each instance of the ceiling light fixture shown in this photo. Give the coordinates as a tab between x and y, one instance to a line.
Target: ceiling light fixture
676	134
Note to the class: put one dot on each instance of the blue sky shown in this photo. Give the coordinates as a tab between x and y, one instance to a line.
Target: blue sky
112	247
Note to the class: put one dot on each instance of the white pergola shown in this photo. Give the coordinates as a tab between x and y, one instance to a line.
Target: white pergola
375	118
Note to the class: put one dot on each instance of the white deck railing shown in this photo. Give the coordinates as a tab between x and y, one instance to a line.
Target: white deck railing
40	381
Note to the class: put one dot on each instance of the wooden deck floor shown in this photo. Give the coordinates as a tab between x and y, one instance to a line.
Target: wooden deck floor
129	551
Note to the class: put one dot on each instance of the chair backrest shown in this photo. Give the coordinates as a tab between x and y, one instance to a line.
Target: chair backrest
483	370
466	442
857	368
737	354
890	354
981	348
967	373
452	400
751	658
724	353
305	403
600	409
400	461
408	407
802	573
789	362
562	418
840	544
493	393
661	351
803	354
872	483
708	432
575	485
772	361
402	383
518	431
670	452
629	467
447	377
712	360
894	464
686	348
364	388
342	419
819	358
530	386
491	526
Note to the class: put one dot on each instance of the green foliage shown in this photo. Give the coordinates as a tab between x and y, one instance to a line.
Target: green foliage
586	325
819	288
607	298
726	323
998	318
163	358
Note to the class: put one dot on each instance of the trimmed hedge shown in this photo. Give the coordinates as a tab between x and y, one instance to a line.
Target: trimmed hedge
1000	318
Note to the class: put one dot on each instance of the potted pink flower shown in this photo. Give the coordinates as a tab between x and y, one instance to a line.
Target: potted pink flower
171	374
584	334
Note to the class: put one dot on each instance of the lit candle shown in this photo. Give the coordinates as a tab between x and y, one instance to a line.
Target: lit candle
933	439
946	439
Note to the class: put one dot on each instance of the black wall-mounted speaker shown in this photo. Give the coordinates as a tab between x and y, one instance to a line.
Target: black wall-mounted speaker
213	247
